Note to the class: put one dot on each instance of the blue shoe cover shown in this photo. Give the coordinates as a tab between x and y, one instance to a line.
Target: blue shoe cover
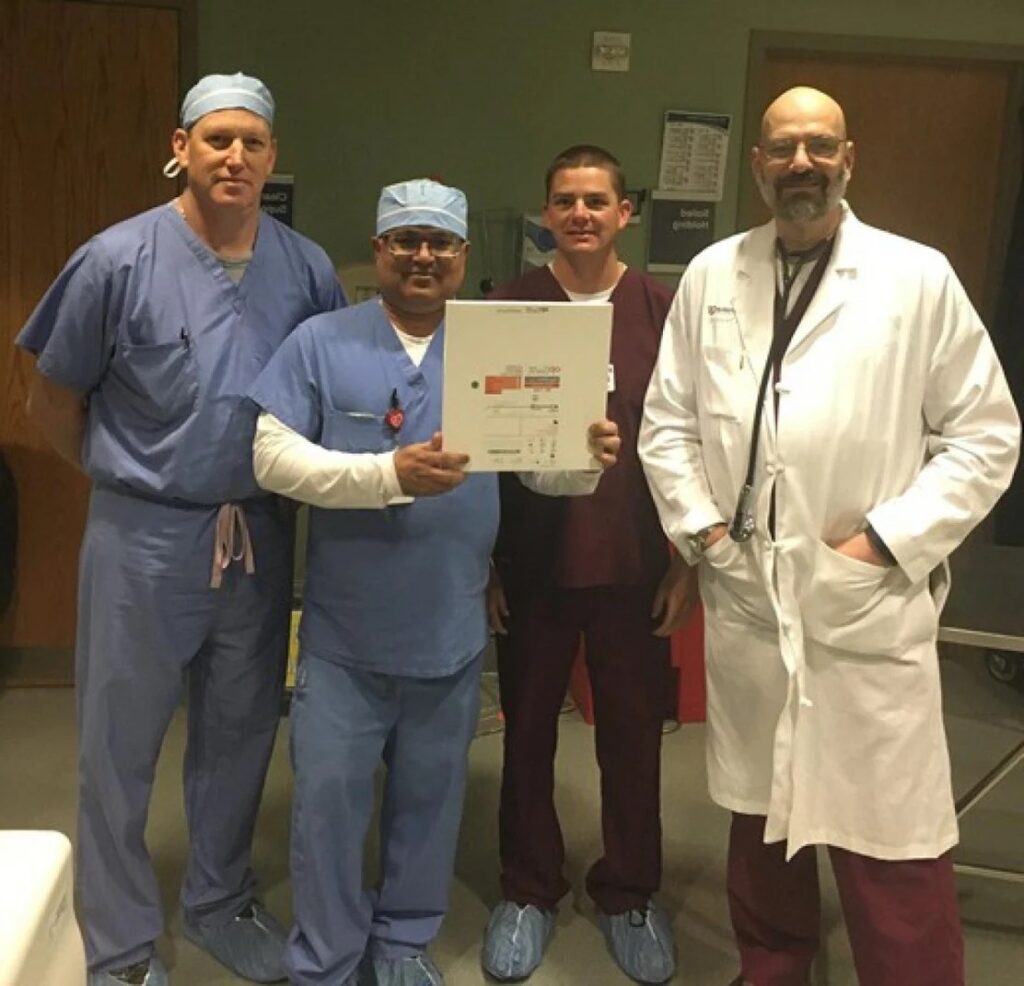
415	970
251	944
641	942
515	940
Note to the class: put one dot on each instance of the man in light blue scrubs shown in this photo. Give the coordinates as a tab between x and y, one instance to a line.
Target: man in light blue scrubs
146	344
394	623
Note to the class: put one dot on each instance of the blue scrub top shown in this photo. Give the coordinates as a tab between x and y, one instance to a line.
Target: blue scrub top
146	323
398	590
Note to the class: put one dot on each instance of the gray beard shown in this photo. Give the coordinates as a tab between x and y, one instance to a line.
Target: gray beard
808	205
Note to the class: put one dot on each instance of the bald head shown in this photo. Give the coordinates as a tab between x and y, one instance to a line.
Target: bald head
804	160
804	108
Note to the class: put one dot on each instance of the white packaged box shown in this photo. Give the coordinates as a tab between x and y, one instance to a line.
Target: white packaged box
39	939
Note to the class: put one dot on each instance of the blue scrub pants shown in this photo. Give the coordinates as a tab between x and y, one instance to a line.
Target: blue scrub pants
147	622
344	722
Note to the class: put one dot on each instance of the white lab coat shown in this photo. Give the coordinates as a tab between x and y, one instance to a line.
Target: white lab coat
824	704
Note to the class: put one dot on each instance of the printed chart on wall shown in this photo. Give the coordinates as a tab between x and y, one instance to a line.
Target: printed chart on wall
694	147
691	179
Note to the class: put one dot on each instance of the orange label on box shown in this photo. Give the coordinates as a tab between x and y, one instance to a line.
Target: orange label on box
499	384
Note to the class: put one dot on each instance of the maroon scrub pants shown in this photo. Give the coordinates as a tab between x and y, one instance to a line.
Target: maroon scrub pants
901	916
629	674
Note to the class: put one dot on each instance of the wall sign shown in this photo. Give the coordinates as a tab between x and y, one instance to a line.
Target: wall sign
680	228
278	198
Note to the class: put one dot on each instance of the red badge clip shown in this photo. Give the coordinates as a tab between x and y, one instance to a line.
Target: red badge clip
395	416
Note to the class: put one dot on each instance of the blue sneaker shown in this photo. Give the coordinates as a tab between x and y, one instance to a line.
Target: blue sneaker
150	972
515	939
641	942
251	944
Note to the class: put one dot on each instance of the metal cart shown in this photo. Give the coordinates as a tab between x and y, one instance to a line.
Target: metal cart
986	610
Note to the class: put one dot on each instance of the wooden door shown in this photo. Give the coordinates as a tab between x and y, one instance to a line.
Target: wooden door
930	136
88	101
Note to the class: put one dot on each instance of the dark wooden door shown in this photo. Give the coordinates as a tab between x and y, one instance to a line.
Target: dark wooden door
88	101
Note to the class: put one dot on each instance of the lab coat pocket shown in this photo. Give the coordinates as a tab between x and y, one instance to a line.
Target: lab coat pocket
864	608
157	381
730	583
721	552
722	380
355	431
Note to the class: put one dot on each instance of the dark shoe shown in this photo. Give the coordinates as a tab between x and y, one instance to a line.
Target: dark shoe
151	972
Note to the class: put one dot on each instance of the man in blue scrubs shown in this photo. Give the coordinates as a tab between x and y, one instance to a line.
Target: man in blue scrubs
146	344
394	622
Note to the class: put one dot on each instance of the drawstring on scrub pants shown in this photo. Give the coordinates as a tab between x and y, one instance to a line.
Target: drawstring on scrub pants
230	518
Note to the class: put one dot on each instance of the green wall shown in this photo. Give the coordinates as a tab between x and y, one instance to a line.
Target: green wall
484	93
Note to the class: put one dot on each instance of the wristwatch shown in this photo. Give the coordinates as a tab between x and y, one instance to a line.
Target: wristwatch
699	541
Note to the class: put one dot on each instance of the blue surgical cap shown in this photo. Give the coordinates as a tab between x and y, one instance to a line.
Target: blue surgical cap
422	202
227	92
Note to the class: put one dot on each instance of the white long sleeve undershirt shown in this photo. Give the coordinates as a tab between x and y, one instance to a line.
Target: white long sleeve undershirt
288	463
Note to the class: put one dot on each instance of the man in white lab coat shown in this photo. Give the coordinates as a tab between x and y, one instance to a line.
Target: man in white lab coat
885	433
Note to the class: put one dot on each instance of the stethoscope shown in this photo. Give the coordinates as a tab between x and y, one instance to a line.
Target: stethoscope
742	526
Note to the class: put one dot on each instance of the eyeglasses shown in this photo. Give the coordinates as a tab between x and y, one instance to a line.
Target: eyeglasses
822	147
407	243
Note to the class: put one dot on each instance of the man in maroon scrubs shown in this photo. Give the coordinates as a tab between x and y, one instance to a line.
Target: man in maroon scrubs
599	567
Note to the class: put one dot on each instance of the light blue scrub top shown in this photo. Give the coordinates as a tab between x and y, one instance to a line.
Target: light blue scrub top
146	323
399	590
